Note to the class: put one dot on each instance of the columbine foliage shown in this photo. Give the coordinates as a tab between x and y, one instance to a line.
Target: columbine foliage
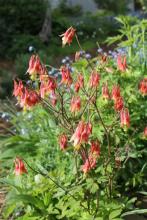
89	128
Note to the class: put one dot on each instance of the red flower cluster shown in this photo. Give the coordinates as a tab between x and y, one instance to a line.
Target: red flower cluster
121	63
81	133
94	153
19	167
143	87
68	36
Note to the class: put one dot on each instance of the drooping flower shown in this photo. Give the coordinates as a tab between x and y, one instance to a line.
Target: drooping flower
66	76
89	164
82	133
105	91
115	92
47	86
18	88
68	36
118	104
143	87
93	155
145	132
79	83
35	65
29	98
75	104
95	148
121	63
19	167
94	79
125	118
63	141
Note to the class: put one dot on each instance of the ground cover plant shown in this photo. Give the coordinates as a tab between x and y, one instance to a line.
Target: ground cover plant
79	145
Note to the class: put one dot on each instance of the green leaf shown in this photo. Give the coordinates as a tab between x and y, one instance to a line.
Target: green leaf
137	211
28	199
114	214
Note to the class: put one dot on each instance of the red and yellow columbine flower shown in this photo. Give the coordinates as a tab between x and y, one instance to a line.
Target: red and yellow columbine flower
19	167
121	63
29	98
118	104
105	91
125	118
68	36
145	132
143	87
79	83
18	89
35	65
82	133
94	153
75	104
66	76
63	141
115	92
47	86
94	79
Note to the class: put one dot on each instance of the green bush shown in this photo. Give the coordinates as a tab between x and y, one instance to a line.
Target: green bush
82	163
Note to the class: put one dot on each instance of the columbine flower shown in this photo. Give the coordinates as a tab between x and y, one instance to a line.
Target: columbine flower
29	98
105	91
18	89
66	76
143	87
89	164
75	104
93	155
95	148
145	132
34	65
121	63
79	83
81	133
63	141
47	86
118	104
125	118
67	37
19	167
94	79
115	92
